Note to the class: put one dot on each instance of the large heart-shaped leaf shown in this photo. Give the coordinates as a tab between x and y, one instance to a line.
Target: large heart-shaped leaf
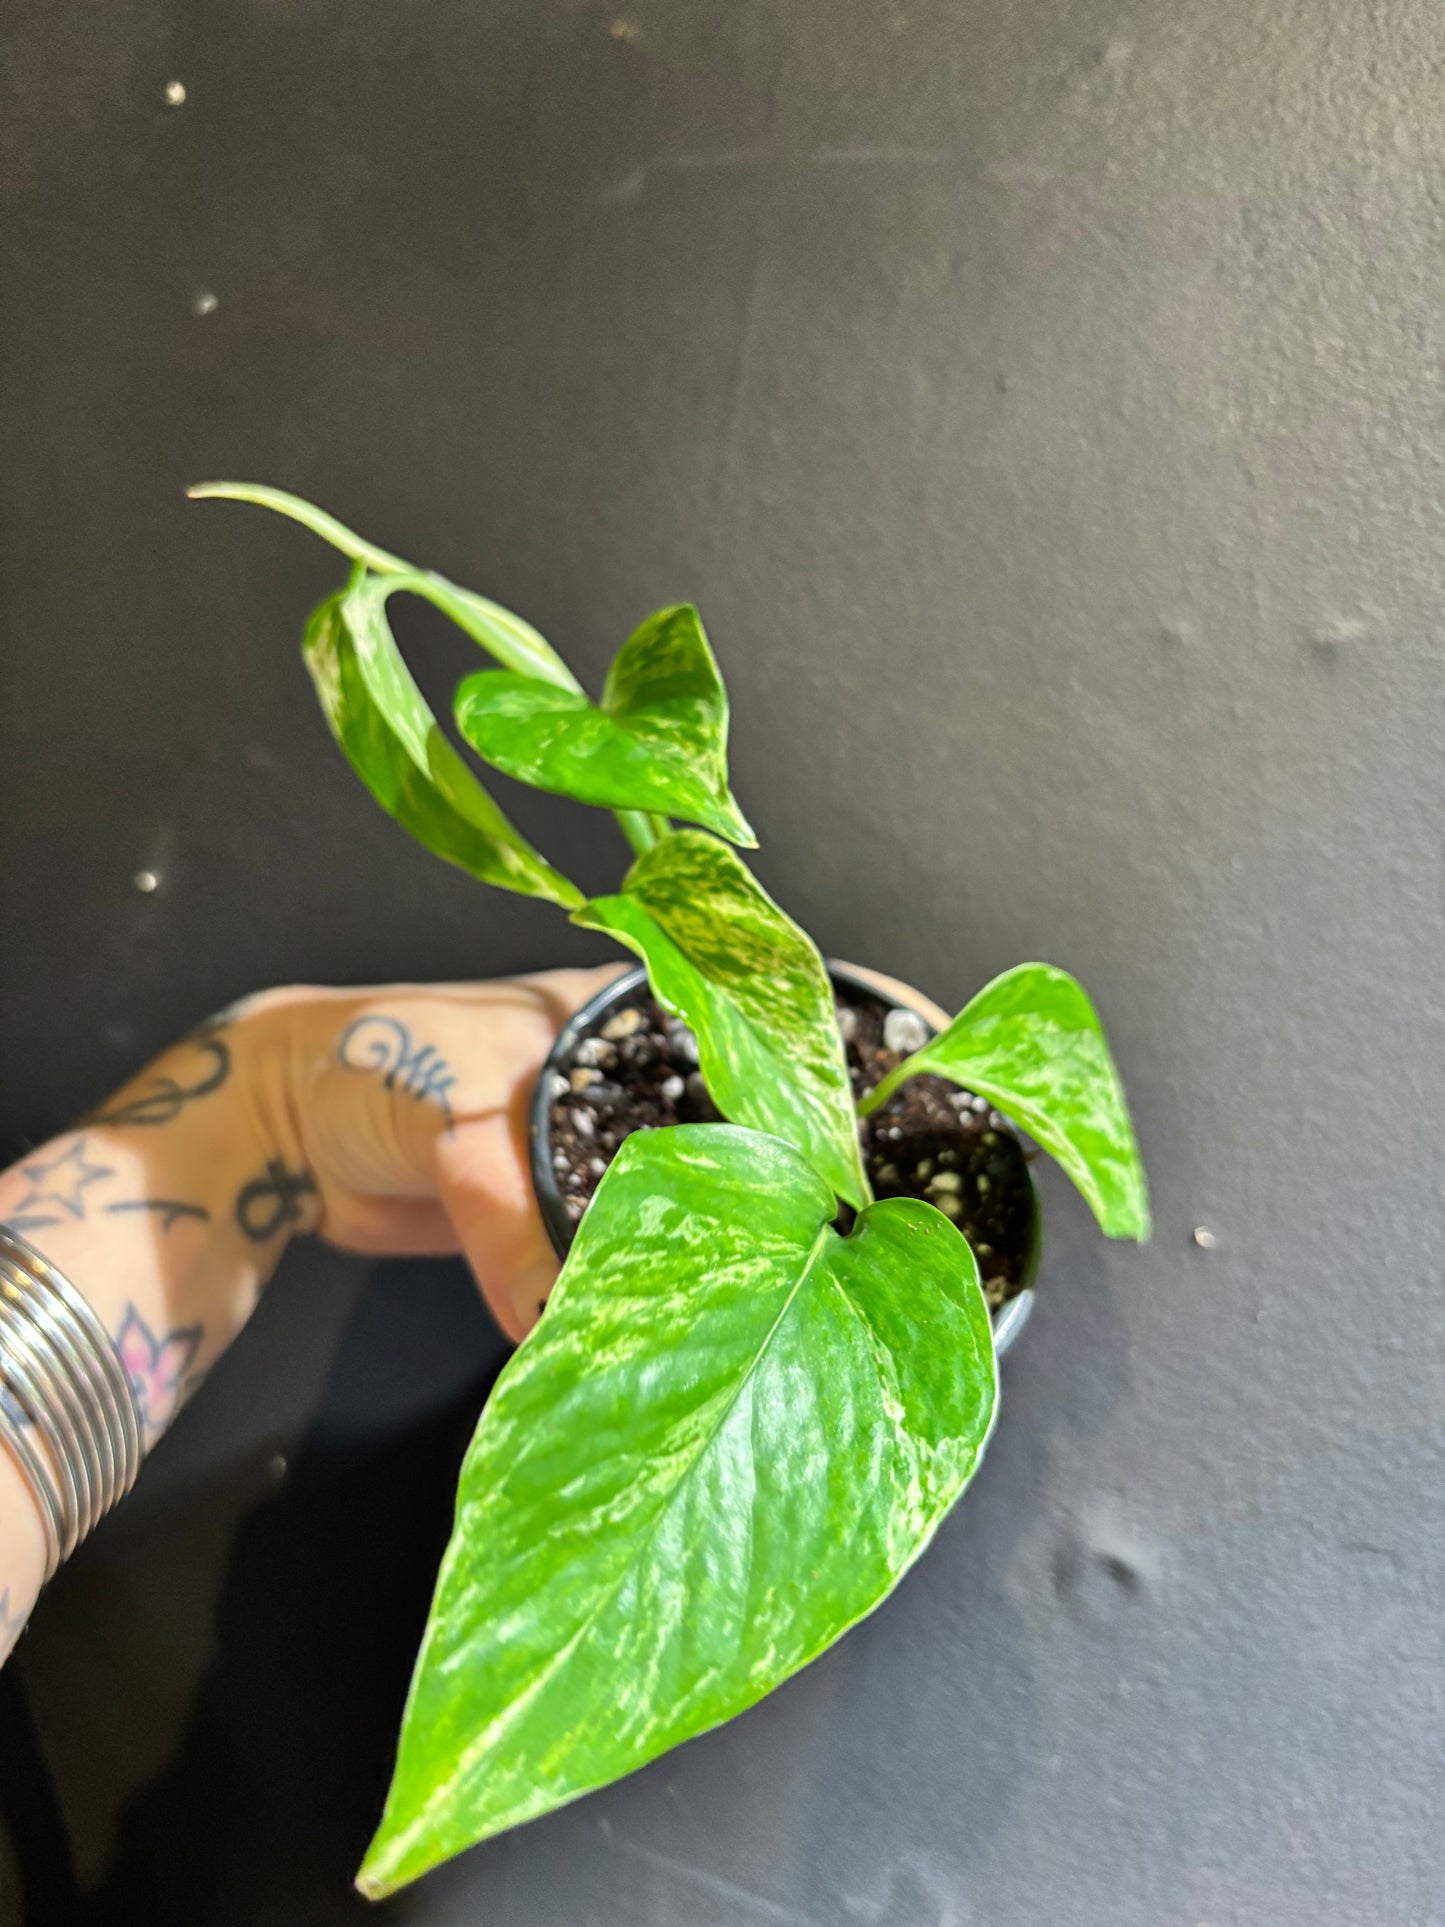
657	742
728	1438
724	957
395	745
1032	1043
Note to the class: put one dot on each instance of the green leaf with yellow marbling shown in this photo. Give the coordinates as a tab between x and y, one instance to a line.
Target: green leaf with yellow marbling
657	742
725	958
1032	1044
394	743
730	1435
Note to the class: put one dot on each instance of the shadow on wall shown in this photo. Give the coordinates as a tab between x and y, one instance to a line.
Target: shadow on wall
279	1778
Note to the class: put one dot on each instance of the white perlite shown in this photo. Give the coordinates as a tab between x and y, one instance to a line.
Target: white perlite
904	1031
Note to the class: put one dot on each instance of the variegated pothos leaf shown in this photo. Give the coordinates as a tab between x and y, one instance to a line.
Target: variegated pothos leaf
1031	1042
723	956
730	1435
657	742
394	743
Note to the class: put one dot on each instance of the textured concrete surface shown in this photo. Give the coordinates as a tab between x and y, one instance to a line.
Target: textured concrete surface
1044	404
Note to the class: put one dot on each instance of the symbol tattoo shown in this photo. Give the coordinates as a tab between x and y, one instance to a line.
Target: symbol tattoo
57	1188
170	1209
156	1367
385	1044
268	1203
166	1097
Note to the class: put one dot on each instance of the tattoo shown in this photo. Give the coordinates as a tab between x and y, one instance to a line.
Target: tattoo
155	1366
57	1188
171	1209
11	1408
12	1624
385	1044
267	1204
164	1098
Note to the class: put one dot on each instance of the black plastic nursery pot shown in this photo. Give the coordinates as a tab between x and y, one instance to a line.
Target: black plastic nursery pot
623	1064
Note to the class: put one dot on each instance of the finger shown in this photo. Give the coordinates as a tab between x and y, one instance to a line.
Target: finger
484	1183
483	1173
379	1075
497	1068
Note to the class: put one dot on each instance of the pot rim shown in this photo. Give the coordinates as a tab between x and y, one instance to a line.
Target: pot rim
1008	1321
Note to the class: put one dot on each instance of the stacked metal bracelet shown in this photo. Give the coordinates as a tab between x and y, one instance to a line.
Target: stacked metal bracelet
67	1411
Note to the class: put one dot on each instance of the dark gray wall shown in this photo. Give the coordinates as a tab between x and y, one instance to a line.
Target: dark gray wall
1044	403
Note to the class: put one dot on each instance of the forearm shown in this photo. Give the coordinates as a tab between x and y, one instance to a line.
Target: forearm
168	1210
390	1120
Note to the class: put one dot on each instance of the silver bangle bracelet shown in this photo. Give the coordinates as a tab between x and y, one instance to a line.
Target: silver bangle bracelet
67	1413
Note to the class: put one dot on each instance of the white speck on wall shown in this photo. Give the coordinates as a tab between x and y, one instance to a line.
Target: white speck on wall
204	303
1204	1237
147	882
175	93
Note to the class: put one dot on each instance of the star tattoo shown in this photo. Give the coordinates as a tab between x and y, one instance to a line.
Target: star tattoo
57	1187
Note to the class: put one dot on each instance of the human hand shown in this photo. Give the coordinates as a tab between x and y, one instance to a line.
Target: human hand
389	1120
407	1106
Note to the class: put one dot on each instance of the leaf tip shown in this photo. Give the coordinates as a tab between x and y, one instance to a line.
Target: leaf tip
1130	1217
1141	1230
378	1875
368	1882
736	828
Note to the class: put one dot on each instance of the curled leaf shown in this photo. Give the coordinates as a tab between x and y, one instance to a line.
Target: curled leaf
394	743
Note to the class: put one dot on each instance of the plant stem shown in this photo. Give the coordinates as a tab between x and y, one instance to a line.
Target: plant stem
514	643
637	828
315	519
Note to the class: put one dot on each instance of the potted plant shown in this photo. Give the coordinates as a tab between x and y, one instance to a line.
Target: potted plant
768	1368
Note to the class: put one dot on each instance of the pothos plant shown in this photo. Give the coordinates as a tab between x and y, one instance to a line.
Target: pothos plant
734	1429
